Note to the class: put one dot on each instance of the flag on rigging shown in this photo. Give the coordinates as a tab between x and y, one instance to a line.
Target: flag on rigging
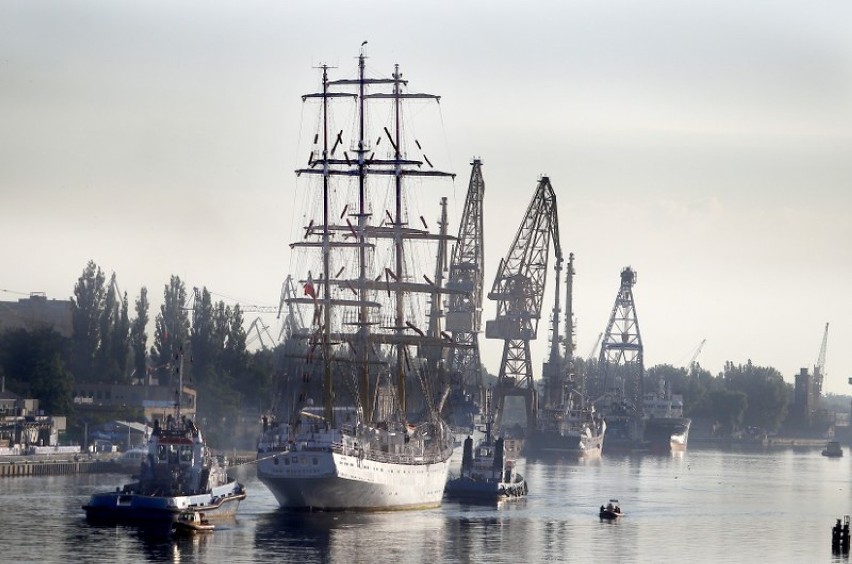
309	287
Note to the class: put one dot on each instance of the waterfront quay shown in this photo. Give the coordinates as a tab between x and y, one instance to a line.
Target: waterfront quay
61	464
55	465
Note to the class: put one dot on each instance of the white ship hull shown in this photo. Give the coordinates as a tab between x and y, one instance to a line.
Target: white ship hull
331	481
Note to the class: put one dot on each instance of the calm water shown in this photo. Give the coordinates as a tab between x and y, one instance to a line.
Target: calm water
698	506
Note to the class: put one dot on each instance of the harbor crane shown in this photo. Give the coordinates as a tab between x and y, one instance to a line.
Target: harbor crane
256	332
518	290
697	352
622	347
819	368
464	308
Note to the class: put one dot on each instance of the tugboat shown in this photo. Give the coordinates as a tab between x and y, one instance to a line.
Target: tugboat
179	475
486	474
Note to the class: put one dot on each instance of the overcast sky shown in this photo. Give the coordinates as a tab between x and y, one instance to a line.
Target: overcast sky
704	143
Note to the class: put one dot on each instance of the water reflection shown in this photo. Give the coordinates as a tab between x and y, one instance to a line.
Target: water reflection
287	532
723	493
348	537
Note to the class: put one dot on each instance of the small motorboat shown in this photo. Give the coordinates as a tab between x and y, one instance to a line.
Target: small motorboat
611	510
191	522
833	449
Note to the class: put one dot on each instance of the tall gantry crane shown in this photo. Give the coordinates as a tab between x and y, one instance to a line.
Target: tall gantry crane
464	307
622	347
518	290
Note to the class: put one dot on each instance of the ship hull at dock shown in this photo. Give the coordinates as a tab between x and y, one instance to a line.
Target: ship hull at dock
331	481
667	433
553	443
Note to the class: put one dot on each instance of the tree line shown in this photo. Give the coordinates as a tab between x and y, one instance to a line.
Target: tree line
110	346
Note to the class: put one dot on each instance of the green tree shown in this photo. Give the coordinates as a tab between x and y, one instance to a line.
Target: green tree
766	391
728	408
35	364
138	336
85	320
171	331
205	349
114	330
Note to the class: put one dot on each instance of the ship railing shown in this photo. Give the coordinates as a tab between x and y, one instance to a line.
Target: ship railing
393	458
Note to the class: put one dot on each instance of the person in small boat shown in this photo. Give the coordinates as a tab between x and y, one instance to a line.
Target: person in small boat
602	508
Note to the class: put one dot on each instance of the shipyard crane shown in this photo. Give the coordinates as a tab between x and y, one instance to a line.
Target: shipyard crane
697	352
819	368
592	352
293	323
256	332
464	307
518	290
622	347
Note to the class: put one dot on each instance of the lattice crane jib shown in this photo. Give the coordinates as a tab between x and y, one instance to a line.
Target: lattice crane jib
464	308
622	346
518	290
819	368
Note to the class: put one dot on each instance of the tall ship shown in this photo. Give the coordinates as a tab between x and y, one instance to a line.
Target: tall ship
665	426
178	476
361	428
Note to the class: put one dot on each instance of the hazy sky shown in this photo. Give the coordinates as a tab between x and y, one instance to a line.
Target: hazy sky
704	143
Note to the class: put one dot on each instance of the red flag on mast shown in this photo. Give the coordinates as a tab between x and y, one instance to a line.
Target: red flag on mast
309	287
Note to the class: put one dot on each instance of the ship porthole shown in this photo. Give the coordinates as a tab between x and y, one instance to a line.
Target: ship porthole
275	460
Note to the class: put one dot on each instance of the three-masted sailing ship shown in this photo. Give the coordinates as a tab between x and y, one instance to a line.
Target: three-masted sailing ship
374	440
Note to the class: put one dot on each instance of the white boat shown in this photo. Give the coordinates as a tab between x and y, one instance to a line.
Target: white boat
375	439
192	522
179	474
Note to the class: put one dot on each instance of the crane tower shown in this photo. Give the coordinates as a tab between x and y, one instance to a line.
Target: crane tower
464	307
621	357
518	290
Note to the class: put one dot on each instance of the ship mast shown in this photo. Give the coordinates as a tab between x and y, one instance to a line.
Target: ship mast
397	243
363	314
328	390
363	214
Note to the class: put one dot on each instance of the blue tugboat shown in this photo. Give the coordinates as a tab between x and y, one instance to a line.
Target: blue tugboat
486	474
178	475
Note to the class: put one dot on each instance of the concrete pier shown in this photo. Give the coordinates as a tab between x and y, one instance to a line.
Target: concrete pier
16	466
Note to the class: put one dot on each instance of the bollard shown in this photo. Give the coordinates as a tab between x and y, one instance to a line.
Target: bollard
840	536
835	537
